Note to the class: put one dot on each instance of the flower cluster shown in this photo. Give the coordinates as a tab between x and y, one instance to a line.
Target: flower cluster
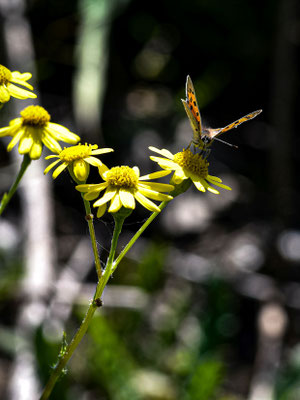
121	186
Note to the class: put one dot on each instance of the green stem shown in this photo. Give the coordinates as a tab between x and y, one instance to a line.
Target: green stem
89	218
90	312
7	196
69	351
137	235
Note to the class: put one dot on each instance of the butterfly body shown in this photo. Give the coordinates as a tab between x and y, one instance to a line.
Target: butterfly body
203	137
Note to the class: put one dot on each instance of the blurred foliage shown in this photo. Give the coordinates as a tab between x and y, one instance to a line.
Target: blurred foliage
287	384
205	381
11	271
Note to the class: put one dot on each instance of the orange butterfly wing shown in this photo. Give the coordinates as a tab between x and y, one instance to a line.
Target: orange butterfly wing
213	133
192	109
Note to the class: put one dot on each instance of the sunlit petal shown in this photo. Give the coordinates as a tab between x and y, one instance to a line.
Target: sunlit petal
159	187
102	151
108	195
20	93
95	162
199	186
146	202
51	166
163	152
91	187
36	150
59	169
127	198
155	175
154	195
115	203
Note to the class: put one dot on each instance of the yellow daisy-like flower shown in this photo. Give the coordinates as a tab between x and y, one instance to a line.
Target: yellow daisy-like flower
78	159
7	87
33	129
123	185
187	165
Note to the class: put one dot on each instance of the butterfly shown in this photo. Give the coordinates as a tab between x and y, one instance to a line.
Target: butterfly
203	137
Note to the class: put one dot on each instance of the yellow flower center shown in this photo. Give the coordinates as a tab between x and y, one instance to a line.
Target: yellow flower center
35	116
5	75
193	162
69	154
123	176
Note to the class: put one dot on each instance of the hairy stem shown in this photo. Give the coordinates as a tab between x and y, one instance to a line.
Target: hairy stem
89	218
7	196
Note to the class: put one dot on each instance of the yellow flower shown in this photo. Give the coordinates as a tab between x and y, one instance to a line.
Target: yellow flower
187	165
123	186
33	129
7	87
78	159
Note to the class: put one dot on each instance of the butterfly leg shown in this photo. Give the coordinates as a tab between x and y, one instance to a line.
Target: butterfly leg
205	153
188	147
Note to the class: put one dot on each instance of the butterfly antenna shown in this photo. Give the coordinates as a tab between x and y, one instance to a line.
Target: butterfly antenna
228	144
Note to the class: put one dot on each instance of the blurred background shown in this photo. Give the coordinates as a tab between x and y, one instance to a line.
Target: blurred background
206	305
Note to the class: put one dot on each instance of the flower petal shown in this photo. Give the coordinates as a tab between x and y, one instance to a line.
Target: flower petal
115	203
16	122
15	139
93	195
159	187
23	76
127	198
151	194
212	178
178	177
102	151
164	163
199	185
102	170
91	187
59	132
221	185
146	202
101	210
50	142
59	169
155	175
95	162
21	82
81	170
163	152
108	195
4	94
19	93
51	166
36	150
137	171
25	144
7	130
212	190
